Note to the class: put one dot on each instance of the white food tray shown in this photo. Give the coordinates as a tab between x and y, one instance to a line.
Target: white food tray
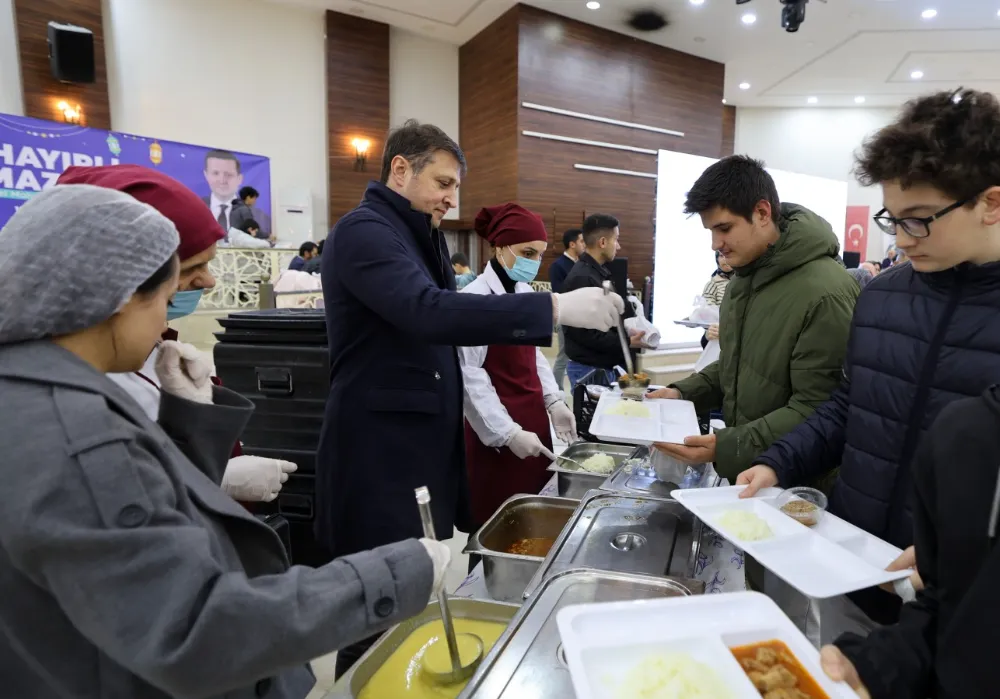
830	559
692	324
605	643
669	421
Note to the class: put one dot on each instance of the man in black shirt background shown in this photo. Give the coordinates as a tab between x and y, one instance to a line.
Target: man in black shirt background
560	269
589	349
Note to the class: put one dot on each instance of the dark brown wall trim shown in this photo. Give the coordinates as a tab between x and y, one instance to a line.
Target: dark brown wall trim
42	92
578	67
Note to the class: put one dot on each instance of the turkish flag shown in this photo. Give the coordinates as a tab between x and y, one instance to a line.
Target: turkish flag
856	236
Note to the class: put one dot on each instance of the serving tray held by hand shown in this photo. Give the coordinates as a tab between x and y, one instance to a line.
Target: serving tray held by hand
829	559
669	421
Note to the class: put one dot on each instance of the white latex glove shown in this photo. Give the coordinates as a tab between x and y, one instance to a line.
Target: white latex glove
184	371
525	444
441	558
564	422
255	478
589	308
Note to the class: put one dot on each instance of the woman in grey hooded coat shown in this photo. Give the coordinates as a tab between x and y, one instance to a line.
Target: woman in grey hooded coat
125	571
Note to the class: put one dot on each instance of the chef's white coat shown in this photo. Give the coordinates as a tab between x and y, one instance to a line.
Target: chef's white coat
483	409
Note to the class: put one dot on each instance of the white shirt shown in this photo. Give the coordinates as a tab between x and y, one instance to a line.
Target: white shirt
483	409
143	385
216	203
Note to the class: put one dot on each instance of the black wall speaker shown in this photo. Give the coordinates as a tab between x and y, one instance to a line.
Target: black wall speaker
852	260
71	53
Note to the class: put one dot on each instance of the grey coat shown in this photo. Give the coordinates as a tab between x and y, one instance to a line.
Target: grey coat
126	572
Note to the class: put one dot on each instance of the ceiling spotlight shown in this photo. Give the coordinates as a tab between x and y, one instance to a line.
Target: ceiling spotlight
793	14
749	18
697	2
917	74
929	13
592	5
744	86
812	100
723	100
859	100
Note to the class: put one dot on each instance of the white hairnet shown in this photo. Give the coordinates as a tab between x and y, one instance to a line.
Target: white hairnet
73	255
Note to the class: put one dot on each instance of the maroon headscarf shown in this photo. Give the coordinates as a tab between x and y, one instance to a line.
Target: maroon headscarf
510	224
198	229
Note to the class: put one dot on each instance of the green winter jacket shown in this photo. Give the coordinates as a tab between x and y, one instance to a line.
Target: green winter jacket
783	330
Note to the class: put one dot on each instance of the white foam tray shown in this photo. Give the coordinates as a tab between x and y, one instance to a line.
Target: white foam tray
830	559
670	421
692	324
606	642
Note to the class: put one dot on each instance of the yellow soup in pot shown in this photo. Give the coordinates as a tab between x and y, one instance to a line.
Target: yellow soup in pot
401	676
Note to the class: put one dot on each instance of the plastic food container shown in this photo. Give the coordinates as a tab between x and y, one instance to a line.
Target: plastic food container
804	505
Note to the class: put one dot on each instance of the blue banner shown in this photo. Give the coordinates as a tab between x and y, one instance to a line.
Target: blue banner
34	152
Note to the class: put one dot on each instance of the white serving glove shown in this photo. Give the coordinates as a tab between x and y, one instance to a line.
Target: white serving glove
184	371
440	556
525	444
255	478
589	308
564	422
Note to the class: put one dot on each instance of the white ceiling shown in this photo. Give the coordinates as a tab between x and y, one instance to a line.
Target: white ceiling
845	48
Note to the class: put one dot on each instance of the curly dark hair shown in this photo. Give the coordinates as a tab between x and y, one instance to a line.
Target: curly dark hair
947	140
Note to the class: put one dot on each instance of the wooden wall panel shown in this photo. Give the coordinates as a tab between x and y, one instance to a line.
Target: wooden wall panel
487	78
574	66
728	131
42	92
357	79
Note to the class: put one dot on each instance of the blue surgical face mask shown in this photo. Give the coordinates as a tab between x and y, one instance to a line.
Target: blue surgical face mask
183	304
524	270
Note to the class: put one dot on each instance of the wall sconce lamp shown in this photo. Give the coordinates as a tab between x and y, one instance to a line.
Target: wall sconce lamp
360	153
71	115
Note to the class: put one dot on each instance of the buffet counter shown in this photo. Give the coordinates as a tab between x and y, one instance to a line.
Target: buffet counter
616	535
718	564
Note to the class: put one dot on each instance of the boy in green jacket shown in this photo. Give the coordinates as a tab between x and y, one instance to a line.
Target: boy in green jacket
784	322
783	330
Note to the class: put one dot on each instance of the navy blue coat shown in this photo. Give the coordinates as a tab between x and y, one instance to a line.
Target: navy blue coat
393	417
558	271
918	342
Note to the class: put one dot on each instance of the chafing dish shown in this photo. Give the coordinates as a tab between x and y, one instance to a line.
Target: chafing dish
574	482
656	475
527	662
521	517
624	533
355	679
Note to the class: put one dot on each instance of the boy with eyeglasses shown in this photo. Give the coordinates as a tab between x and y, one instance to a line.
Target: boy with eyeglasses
924	333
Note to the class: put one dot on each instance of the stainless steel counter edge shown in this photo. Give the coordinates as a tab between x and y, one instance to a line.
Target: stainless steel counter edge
683	586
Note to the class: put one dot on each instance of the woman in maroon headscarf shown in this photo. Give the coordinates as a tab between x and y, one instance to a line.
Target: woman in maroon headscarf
510	393
247	478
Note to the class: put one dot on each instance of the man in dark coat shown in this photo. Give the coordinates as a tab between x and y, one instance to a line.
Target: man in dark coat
923	335
558	271
394	418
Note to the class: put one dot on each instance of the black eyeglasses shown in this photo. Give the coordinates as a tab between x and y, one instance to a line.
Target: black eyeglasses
913	226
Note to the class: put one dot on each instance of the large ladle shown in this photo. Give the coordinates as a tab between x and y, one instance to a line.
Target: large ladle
460	668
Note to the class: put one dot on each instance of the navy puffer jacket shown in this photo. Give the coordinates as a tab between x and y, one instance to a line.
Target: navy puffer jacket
918	342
